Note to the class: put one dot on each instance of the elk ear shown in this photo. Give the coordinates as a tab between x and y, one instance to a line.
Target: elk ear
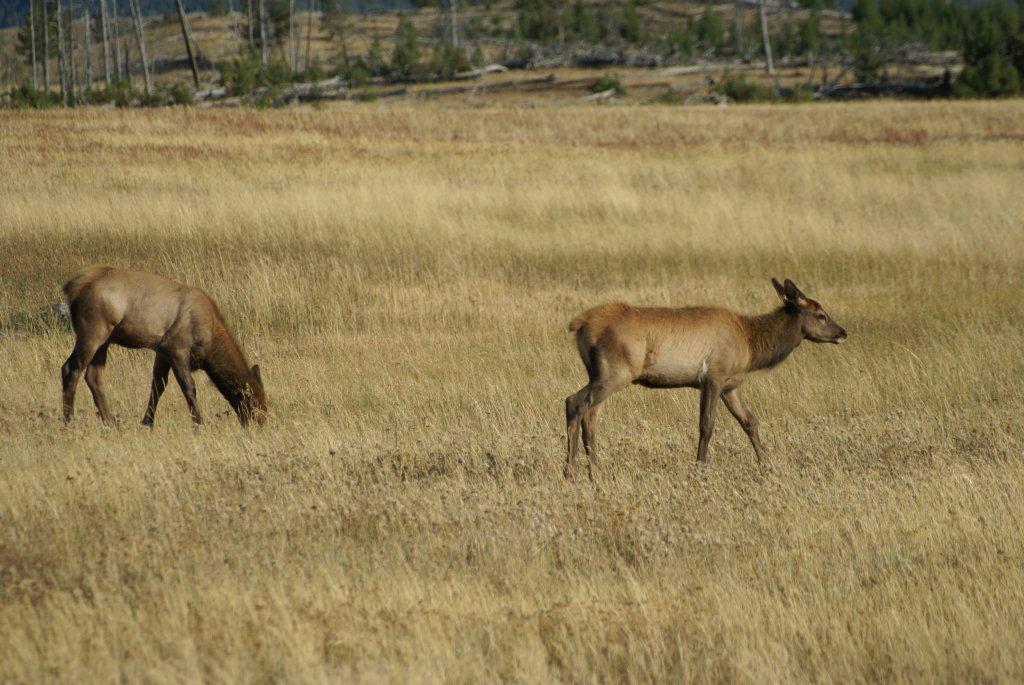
779	289
793	294
256	373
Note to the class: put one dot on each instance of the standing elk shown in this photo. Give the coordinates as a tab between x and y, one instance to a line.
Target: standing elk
181	324
710	348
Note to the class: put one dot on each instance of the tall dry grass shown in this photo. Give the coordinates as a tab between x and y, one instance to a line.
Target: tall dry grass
404	277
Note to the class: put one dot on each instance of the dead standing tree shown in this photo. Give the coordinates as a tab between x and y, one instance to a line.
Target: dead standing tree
72	78
87	47
60	55
140	39
252	40
768	64
454	19
105	33
737	28
309	34
187	37
32	38
293	58
46	46
120	66
264	43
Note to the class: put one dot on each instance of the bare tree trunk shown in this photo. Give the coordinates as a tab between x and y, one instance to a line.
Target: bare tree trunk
291	35
32	37
127	61
60	55
106	40
453	12
737	27
252	41
185	36
46	45
87	47
234	24
141	40
309	35
768	65
72	75
120	67
264	45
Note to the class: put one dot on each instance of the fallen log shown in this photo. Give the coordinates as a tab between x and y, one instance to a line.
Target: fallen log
603	95
489	87
912	89
477	73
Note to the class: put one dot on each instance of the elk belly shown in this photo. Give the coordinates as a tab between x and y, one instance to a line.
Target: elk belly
680	366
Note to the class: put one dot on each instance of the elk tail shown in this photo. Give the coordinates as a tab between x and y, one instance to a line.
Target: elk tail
576	323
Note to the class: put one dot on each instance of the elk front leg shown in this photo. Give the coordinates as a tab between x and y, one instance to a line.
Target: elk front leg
183	374
709	392
161	367
747	421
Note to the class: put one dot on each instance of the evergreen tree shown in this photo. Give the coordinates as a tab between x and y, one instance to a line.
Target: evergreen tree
583	23
335	20
710	31
405	58
630	28
993	50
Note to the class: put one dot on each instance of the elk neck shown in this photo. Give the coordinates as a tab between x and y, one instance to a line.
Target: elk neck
227	367
772	337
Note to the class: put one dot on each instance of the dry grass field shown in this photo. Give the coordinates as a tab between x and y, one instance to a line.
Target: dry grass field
404	277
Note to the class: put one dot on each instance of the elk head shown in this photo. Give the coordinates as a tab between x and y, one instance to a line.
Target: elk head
815	323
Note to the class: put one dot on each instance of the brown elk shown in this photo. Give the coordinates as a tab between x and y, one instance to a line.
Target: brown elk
709	348
181	324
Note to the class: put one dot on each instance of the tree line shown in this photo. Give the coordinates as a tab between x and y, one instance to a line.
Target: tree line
55	38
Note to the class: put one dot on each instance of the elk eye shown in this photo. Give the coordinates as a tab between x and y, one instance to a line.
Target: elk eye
822	317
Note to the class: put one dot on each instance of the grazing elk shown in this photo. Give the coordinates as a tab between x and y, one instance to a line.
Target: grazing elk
709	348
181	324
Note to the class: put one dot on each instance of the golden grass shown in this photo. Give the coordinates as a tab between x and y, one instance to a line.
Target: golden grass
404	277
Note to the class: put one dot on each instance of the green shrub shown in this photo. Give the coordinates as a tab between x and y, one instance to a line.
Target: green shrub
666	97
358	75
738	88
120	92
609	81
27	97
446	61
179	93
245	74
241	75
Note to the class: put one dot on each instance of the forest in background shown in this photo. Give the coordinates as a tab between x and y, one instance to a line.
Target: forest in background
97	54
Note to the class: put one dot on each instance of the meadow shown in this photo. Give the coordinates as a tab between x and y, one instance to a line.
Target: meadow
404	277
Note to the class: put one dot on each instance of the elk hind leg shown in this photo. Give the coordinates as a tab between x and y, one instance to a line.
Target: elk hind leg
588	421
747	421
161	367
574	407
94	379
86	345
596	393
